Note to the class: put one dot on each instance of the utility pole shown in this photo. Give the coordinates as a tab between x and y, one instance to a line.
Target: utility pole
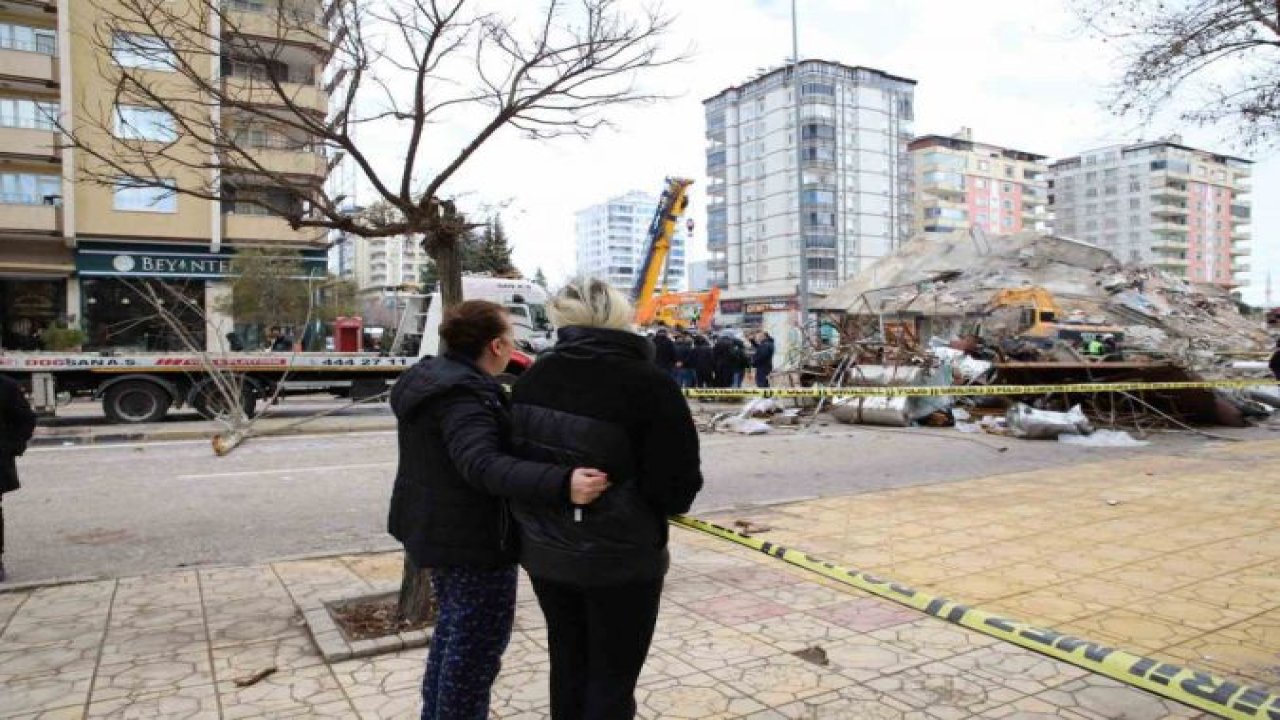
804	245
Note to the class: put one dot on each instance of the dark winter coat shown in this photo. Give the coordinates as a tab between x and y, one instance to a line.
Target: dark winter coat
17	424
664	351
597	401
684	353
704	362
1275	363
725	362
763	359
448	505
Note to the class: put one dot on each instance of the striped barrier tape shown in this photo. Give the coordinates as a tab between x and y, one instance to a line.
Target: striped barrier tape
1190	687
971	390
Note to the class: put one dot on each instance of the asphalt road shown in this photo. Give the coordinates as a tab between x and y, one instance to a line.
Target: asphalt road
127	509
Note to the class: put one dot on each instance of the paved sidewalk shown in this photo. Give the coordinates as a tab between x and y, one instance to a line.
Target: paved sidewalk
1176	557
172	646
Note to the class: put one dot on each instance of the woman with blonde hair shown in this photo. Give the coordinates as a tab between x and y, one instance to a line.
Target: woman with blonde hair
598	400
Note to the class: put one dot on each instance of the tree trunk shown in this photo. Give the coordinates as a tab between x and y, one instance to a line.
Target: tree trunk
449	268
417	601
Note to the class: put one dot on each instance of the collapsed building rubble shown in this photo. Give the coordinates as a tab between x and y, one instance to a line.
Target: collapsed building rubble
1031	309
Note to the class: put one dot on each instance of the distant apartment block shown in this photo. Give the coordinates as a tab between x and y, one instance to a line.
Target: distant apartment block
962	184
612	238
855	203
1159	203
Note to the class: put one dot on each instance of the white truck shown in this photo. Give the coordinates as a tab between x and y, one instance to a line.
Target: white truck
139	388
525	301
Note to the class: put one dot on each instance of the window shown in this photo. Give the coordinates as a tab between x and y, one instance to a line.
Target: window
984	165
249	5
145	52
133	197
29	189
17	113
1008	171
818	89
1135	203
1135	186
1006	187
980	183
28	39
143	123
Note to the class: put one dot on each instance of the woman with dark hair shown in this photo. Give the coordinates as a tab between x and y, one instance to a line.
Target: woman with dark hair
448	506
598	400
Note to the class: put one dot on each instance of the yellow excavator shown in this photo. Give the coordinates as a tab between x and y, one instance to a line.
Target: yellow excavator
1042	320
655	304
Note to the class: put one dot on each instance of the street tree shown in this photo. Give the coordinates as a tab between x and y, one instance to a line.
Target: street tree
1213	62
415	75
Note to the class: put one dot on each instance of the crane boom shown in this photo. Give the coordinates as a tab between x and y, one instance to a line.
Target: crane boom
671	206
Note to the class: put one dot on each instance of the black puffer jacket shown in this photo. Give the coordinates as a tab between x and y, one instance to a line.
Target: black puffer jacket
17	423
597	400
447	506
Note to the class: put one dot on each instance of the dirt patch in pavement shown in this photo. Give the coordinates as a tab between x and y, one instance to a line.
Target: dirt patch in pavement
374	617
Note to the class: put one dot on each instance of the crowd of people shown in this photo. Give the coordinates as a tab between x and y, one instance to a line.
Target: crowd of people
719	360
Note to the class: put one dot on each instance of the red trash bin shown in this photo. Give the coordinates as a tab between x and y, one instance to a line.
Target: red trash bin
347	332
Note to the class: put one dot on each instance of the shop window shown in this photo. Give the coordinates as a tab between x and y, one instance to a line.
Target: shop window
27	308
118	314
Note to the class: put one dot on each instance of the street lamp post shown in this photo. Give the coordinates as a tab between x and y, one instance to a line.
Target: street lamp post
804	245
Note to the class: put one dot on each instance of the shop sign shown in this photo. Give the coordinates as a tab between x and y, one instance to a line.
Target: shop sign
139	261
765	305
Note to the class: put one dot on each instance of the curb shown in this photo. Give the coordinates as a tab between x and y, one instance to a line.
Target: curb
126	437
50	582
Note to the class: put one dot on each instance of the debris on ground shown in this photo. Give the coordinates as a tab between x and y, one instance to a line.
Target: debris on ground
1025	421
254	678
1103	439
813	654
750	527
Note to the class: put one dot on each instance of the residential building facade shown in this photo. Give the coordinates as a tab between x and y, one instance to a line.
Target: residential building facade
67	241
962	184
613	236
855	203
1158	203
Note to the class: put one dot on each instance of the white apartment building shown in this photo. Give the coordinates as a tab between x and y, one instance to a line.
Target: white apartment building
1159	203
613	237
855	125
377	264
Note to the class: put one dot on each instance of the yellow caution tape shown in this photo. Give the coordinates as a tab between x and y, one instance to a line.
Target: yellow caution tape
1191	687
970	390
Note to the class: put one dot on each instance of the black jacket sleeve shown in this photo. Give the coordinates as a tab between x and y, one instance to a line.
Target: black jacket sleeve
670	469
19	421
473	438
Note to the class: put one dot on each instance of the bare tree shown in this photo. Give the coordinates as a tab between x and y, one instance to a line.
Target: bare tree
230	84
400	68
1213	62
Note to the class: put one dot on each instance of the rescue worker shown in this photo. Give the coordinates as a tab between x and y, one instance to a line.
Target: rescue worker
1094	348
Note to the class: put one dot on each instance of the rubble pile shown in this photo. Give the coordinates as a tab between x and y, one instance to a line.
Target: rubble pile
940	282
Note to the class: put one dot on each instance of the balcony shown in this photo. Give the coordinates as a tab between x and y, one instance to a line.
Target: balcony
1240	235
1240	267
266	228
1169	190
1171	262
1169	228
944	189
1168	243
43	219
251	91
29	66
1169	209
27	142
296	26
300	163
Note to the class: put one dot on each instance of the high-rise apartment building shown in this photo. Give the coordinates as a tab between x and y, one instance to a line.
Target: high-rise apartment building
390	262
66	241
962	184
613	237
855	203
1159	203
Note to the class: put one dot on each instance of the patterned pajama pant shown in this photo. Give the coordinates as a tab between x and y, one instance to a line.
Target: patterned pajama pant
477	609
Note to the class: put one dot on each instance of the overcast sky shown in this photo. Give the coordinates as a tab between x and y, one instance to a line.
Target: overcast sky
1019	73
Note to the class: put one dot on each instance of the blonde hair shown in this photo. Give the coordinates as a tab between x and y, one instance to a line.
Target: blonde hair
588	302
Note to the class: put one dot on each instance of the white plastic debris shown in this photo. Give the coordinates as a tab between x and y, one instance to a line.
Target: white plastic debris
968	427
1027	422
746	426
760	407
1103	439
